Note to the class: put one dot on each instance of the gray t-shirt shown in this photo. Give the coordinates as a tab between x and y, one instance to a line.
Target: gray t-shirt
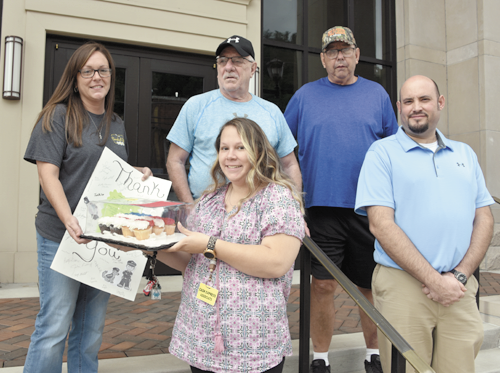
75	164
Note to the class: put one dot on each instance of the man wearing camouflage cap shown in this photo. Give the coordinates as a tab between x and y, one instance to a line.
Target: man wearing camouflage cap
335	120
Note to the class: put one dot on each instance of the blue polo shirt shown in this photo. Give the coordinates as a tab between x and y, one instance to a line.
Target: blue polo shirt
434	195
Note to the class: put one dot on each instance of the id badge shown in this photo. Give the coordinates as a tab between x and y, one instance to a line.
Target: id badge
207	294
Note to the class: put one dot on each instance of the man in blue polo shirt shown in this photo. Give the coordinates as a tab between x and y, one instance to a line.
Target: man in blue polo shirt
428	207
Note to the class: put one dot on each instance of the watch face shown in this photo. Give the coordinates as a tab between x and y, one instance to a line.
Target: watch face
462	278
209	254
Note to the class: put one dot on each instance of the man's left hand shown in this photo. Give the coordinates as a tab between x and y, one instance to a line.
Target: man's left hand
447	292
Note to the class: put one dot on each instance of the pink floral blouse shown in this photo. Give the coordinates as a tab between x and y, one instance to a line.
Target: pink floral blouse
253	318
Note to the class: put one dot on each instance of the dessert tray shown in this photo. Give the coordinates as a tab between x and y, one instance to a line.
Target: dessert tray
138	223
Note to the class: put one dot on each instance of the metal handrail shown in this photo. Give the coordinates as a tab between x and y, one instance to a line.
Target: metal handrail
401	350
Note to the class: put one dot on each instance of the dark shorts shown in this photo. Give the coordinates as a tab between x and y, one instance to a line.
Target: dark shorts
345	238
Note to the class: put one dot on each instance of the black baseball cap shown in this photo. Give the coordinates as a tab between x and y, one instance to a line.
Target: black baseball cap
243	46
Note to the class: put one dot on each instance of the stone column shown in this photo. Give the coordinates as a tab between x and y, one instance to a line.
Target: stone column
457	43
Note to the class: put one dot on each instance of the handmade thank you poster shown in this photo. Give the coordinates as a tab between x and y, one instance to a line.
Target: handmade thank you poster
96	263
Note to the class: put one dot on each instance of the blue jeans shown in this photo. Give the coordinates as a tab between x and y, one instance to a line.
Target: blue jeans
65	302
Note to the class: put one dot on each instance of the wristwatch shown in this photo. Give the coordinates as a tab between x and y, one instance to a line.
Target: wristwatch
210	250
459	276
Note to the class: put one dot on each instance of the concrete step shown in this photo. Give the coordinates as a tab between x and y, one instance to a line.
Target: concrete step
347	352
491	336
488	361
490	309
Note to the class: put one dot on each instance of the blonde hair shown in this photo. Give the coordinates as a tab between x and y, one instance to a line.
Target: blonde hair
76	114
265	163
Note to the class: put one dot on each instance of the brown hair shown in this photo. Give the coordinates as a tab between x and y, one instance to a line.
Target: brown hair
76	115
266	167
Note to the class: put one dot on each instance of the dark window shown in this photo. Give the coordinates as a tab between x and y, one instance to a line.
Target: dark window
321	15
291	38
1	12
169	92
376	72
282	75
282	21
372	28
120	92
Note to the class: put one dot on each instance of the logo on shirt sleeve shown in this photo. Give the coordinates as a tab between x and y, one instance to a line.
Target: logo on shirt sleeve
118	139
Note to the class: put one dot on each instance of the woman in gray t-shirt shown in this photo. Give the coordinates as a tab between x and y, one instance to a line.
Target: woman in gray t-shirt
66	144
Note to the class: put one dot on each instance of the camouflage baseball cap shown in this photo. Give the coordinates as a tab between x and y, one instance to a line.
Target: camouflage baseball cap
338	33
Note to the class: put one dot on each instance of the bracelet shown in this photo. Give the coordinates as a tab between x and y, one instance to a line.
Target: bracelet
209	252
211	243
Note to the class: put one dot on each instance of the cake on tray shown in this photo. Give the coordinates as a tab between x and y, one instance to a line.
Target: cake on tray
139	223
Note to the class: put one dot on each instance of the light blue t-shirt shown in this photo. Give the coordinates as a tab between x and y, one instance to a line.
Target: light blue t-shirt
198	124
434	195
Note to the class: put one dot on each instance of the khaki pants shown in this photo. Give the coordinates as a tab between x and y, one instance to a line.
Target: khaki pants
447	338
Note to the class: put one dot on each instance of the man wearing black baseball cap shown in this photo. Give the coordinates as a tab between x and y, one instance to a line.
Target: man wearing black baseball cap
197	126
243	46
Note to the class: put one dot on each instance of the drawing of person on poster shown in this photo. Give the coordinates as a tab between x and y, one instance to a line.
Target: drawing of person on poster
92	208
127	275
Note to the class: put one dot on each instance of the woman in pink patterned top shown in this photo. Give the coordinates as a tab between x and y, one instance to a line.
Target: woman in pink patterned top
243	242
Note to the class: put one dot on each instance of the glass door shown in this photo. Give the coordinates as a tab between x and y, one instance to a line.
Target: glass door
169	92
167	86
126	98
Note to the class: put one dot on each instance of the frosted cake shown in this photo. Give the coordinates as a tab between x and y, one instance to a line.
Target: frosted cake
144	224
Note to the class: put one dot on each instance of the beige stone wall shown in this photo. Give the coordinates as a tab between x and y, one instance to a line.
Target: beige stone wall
196	26
457	43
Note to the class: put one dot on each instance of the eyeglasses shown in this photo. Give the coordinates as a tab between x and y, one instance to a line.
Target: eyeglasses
89	73
237	61
333	53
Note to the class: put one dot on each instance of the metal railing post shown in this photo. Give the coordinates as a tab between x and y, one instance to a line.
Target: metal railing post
398	362
477	274
305	309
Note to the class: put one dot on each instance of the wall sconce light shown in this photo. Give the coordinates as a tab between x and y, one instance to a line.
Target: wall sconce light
12	68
